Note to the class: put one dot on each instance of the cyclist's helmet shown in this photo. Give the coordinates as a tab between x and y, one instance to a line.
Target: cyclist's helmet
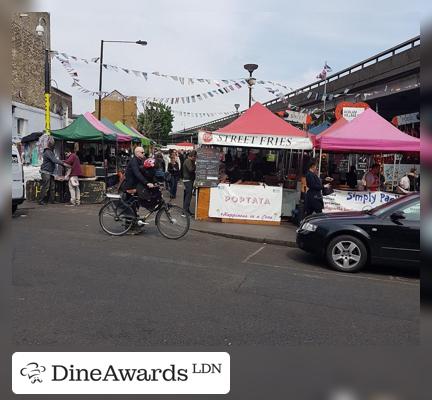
149	163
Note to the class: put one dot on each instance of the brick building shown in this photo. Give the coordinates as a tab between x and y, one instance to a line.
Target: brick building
28	79
117	107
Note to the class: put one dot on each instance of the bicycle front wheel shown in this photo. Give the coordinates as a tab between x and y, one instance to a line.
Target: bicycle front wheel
172	222
116	217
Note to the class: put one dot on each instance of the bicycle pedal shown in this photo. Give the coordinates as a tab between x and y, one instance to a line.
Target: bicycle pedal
142	223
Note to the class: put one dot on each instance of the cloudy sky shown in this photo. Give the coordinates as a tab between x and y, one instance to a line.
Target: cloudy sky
289	40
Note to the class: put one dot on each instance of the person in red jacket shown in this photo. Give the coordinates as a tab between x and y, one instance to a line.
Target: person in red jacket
75	171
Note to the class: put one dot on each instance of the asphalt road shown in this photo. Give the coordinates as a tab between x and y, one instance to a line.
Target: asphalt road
74	285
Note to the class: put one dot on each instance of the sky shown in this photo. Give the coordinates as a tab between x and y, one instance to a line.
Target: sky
289	40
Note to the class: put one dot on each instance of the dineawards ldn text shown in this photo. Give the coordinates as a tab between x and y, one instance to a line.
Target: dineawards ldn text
112	374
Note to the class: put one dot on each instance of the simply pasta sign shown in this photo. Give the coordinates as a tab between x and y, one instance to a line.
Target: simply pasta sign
341	200
257	141
250	202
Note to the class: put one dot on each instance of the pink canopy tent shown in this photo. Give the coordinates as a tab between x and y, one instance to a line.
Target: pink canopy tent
105	129
259	120
370	133
258	127
340	122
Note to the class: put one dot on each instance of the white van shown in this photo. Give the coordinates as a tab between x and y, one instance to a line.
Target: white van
18	191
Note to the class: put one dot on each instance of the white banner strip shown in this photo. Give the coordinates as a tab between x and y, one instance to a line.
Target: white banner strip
256	141
341	200
250	202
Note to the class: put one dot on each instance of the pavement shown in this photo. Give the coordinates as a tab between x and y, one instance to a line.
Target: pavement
73	285
283	235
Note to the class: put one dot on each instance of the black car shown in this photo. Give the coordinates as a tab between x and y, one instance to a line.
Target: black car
389	233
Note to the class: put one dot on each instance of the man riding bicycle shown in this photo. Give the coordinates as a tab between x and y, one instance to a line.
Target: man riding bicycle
140	175
119	215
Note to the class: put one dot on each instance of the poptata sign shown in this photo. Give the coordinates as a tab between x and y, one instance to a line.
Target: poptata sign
341	200
250	202
257	141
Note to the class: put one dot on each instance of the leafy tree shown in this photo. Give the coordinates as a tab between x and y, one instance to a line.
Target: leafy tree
156	122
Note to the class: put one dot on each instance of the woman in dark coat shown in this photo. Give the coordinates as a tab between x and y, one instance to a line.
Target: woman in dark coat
314	198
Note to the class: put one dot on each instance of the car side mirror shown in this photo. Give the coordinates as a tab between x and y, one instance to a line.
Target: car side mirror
397	215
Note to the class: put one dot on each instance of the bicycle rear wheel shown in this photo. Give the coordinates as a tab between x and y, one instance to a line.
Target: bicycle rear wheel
172	221
116	217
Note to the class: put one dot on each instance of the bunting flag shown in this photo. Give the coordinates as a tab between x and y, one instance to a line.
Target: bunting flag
167	100
202	114
180	79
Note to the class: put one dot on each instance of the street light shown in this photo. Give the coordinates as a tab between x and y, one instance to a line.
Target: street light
250	81
139	42
40	30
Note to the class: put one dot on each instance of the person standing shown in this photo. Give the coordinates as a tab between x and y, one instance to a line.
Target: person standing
188	169
313	199
75	171
351	177
182	160
159	167
174	174
412	176
371	179
49	161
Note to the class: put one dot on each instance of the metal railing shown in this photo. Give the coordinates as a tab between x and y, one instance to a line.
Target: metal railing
407	45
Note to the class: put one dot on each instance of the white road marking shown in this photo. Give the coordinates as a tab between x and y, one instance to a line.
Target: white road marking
311	274
253	254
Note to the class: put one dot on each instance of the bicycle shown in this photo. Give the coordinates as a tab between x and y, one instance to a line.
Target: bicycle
120	213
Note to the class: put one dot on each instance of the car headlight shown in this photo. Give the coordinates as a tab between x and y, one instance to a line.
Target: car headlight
307	226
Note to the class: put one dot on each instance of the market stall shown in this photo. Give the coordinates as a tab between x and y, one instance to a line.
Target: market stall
92	141
366	140
183	146
251	170
133	133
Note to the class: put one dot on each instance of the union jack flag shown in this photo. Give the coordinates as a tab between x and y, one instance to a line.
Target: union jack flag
323	73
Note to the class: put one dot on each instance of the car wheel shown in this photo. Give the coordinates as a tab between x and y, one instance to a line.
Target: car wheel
346	253
14	208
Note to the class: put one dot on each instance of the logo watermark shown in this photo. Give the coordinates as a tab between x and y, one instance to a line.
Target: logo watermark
121	373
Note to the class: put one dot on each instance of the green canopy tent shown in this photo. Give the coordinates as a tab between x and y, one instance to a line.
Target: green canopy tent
116	129
125	129
134	130
82	129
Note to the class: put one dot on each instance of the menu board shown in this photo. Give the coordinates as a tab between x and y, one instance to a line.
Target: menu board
207	166
343	166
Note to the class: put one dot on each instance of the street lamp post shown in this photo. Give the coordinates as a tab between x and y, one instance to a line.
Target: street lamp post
141	43
251	81
40	30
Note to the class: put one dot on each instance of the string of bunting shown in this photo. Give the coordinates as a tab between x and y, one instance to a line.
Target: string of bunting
74	75
64	59
201	114
166	100
180	79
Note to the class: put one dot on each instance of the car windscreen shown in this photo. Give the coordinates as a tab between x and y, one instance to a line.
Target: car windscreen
384	208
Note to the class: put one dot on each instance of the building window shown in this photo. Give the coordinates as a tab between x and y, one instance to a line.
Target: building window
21	127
